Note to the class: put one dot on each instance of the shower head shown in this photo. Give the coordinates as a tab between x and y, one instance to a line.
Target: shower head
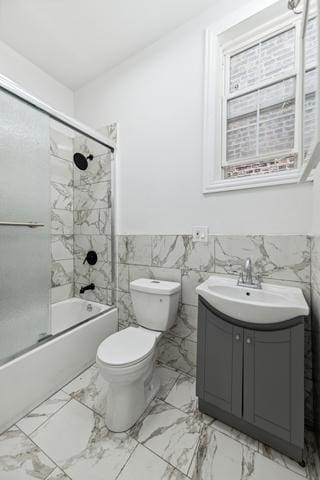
81	161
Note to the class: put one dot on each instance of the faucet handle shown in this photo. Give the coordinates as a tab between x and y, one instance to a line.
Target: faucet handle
258	278
241	278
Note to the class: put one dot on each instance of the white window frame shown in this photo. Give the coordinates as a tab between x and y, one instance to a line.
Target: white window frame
313	155
216	52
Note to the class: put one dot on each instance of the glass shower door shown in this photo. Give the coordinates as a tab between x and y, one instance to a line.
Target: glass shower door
24	251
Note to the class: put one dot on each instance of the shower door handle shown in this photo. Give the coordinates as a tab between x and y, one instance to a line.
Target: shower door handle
21	224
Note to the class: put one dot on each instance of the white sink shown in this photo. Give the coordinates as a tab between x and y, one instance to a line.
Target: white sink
270	304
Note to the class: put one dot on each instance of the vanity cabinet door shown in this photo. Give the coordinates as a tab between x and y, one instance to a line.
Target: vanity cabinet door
220	350
273	382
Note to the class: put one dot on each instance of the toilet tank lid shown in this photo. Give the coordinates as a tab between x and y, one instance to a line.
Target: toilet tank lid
150	285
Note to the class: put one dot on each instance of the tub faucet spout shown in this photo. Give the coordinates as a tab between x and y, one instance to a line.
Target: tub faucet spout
91	286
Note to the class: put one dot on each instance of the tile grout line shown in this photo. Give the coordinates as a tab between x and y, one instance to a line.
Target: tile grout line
102	416
174	384
86	406
215	237
166	461
140	443
255	451
126	462
195	453
202	427
181	371
51	154
132	435
47	419
40	449
57	467
212	426
176	408
55	393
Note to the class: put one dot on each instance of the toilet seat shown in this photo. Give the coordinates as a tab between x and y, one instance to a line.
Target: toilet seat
127	347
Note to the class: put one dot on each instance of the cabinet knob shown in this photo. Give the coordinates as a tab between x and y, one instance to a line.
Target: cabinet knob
237	337
248	340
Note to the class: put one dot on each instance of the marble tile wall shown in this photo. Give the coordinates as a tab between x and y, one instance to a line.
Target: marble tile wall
62	276
92	218
284	260
81	216
315	298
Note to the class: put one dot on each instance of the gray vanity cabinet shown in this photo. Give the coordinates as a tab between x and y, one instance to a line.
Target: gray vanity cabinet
273	382
253	378
223	346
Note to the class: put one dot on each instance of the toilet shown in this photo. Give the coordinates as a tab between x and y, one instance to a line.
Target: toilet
126	359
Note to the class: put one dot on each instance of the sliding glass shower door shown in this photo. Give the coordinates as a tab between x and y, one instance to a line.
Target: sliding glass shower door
24	226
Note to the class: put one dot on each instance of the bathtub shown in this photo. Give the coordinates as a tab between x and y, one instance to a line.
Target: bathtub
71	312
79	327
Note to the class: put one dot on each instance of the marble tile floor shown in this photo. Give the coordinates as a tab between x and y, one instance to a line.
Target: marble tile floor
65	438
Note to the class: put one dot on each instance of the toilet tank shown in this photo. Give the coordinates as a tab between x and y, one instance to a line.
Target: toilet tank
155	303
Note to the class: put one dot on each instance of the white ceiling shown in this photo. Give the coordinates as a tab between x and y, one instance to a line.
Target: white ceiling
76	40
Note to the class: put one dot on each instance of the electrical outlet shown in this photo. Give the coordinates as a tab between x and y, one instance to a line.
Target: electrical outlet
200	234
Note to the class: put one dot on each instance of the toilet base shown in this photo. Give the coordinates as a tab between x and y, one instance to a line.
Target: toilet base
126	403
152	389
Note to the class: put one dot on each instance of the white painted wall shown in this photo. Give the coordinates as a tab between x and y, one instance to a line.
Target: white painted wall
34	80
316	203
157	98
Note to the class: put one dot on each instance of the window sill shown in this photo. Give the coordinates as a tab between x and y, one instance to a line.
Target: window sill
266	180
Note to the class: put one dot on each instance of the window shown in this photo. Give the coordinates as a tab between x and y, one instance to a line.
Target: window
310	60
253	133
260	93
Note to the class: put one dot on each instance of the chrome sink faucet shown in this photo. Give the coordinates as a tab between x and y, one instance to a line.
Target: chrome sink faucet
248	271
246	278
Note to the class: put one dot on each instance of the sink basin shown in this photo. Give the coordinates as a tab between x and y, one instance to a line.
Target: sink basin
271	304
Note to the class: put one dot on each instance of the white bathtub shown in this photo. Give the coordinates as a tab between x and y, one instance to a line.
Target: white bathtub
34	376
73	311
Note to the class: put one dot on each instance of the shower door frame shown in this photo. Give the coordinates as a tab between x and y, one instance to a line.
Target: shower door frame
15	90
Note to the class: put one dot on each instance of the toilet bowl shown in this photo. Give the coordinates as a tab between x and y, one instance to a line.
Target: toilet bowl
126	359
